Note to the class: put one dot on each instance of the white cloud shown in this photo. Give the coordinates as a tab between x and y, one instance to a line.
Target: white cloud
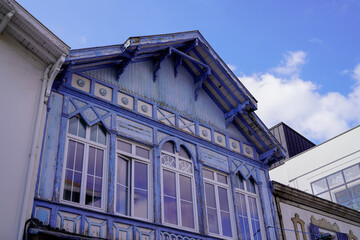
315	40
292	63
298	103
232	67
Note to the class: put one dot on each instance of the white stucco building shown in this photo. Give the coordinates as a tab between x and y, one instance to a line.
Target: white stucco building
330	170
30	57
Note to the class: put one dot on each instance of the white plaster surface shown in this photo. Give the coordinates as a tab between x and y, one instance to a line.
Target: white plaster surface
288	212
20	79
334	155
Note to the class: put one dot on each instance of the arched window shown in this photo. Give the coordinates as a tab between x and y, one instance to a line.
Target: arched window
178	187
83	177
248	206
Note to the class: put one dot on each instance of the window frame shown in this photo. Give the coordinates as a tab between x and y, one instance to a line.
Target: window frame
216	185
256	196
132	158
87	142
178	172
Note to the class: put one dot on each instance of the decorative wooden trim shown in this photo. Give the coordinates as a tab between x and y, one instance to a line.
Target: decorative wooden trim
324	224
351	236
296	220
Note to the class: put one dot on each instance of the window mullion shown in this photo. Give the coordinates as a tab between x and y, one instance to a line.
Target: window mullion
84	174
247	205
132	186
178	197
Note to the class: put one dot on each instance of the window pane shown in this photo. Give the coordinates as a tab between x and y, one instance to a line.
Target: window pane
91	161
226	224
255	223
240	182
168	147
223	199
169	187
170	210
121	199
68	185
73	125
325	195
97	192
185	188
142	152
122	171
101	135
185	166
335	180
208	174
89	190
140	203
184	153
168	160
343	197
71	155
141	175
319	186
187	214
82	128
221	178
124	146
99	162
79	156
212	220
352	173
250	185
93	133
76	187
210	195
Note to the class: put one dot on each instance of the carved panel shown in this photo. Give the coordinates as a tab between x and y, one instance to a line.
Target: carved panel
214	159
324	224
234	145
297	221
248	151
145	234
205	133
133	129
166	117
81	83
68	221
43	214
220	139
144	108
103	92
95	227
122	231
186	125
125	101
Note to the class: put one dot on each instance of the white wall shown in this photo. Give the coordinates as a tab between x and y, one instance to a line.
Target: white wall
289	211
20	79
331	156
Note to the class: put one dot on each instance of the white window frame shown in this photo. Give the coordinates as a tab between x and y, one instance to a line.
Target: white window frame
258	204
132	157
87	143
217	184
178	172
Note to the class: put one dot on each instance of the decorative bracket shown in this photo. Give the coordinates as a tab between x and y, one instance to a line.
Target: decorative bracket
266	156
126	62
6	20
159	61
179	59
199	81
241	108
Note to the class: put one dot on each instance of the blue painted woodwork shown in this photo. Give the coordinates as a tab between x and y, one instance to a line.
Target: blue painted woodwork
185	98
47	173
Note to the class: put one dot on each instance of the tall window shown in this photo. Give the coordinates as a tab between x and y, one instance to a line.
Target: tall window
178	188
85	159
132	180
247	203
217	203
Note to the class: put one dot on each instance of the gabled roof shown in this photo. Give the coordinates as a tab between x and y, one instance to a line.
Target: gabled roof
19	24
211	74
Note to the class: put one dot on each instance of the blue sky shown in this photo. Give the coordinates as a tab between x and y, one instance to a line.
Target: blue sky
300	59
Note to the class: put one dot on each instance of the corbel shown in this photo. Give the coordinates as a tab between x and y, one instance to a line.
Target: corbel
241	108
266	156
6	20
159	61
130	58
178	60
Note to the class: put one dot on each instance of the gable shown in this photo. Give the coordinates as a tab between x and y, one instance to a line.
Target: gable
175	93
147	66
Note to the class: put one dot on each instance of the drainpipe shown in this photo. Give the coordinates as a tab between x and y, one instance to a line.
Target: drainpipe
49	76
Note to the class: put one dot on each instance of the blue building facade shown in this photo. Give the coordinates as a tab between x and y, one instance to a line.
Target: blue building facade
154	139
